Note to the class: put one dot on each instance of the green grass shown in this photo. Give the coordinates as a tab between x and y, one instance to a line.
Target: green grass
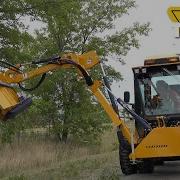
48	160
100	167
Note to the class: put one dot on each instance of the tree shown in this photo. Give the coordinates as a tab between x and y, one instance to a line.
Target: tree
13	38
13	34
79	26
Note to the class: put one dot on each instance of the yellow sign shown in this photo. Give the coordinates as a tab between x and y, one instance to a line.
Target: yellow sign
174	14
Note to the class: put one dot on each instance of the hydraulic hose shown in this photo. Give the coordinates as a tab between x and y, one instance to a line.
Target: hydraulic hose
137	118
35	87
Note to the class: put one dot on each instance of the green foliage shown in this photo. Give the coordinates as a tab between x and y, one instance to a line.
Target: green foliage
7	131
13	35
112	173
81	26
42	112
63	101
21	177
13	127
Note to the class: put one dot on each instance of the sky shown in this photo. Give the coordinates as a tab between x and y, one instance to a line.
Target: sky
161	40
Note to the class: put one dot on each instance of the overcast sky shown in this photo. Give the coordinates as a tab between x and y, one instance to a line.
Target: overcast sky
161	40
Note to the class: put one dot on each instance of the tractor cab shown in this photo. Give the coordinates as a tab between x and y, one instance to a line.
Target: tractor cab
157	91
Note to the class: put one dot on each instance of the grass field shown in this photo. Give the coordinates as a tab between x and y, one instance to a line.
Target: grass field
48	160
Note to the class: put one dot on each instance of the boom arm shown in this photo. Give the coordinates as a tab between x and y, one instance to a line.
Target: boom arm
11	103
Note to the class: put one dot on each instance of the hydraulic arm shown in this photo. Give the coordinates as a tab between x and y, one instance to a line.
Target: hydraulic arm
11	103
137	153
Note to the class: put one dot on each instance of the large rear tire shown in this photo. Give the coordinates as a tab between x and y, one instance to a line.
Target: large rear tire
159	163
124	150
146	167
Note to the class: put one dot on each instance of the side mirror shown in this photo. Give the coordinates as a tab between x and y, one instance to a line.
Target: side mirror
126	96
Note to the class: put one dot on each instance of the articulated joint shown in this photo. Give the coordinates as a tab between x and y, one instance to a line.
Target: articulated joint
89	80
95	86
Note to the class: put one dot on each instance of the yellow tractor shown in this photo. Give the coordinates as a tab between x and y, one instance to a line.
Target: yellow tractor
156	127
157	101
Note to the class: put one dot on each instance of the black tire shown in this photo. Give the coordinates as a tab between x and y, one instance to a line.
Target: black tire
146	167
124	150
159	163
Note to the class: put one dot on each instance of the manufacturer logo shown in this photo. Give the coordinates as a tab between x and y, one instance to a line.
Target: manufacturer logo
89	61
157	146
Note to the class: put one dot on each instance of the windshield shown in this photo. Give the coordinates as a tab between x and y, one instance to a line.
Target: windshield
161	92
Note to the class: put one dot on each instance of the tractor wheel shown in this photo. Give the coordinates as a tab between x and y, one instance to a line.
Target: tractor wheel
146	167
159	163
124	150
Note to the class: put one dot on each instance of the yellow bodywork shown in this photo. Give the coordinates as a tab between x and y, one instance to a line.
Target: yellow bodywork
87	60
8	99
160	142
110	111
